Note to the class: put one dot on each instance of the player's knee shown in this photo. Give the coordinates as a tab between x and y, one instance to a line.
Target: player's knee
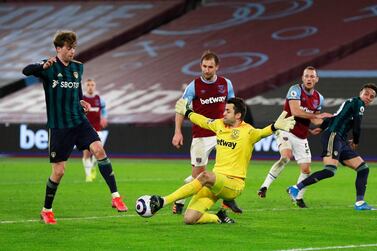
203	176
330	170
305	166
98	151
59	172
190	218
306	171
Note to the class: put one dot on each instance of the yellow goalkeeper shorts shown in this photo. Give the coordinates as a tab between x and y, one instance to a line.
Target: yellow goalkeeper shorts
225	187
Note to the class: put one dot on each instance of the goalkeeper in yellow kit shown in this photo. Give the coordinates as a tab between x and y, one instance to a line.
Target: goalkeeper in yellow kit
235	143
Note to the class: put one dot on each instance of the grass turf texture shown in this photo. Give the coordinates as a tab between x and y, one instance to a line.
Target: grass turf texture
87	221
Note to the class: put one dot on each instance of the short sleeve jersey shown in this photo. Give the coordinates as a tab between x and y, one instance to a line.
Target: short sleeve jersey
94	113
309	102
208	99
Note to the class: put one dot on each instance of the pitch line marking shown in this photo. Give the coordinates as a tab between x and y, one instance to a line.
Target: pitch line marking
162	214
333	247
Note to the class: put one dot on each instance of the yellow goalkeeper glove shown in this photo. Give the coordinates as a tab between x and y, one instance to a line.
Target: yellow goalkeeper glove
283	123
182	107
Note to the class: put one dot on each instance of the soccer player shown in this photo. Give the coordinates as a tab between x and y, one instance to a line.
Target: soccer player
337	149
305	104
207	94
235	142
66	120
97	116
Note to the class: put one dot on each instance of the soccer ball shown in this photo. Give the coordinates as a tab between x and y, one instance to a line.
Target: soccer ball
143	206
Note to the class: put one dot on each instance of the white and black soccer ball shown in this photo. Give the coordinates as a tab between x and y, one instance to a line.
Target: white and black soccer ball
143	207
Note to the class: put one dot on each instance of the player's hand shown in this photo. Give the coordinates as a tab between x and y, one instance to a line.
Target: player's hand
85	105
49	62
315	131
103	122
181	106
284	123
352	145
177	140
324	115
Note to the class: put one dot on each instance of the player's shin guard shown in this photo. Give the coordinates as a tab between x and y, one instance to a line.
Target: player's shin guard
302	177
51	188
361	181
328	172
107	173
186	181
274	172
183	192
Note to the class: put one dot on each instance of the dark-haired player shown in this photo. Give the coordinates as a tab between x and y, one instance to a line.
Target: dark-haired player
336	147
235	142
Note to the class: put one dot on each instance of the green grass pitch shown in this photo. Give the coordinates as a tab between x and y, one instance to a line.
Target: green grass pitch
86	220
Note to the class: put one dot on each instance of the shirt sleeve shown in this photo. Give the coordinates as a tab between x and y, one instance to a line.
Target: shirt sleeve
204	122
230	89
103	108
294	93
34	69
257	134
189	92
321	101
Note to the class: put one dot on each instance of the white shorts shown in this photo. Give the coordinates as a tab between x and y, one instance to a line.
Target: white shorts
300	147
103	136
200	150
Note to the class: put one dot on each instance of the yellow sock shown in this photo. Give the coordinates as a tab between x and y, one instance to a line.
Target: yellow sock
208	218
183	192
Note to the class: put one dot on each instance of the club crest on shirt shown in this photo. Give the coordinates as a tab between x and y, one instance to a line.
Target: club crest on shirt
362	109
221	89
235	134
76	74
198	160
293	93
209	121
315	103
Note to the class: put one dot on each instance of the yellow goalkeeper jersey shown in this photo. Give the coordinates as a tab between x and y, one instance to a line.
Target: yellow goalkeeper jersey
234	145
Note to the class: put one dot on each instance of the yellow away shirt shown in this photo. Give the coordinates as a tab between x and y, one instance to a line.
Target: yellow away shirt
234	145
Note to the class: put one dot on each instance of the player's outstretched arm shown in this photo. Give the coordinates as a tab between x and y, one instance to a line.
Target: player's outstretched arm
34	69
283	123
181	107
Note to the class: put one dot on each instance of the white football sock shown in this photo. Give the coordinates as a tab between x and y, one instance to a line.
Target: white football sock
274	172
302	176
115	195
87	166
